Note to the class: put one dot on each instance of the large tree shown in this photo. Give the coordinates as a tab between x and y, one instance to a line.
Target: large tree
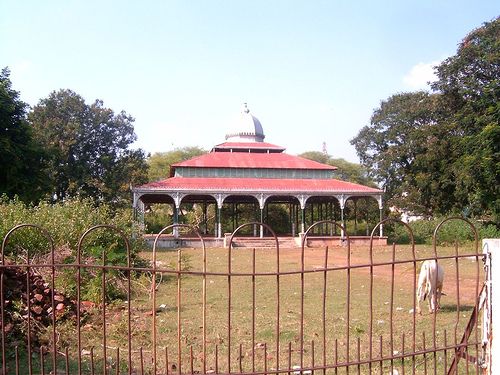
21	157
469	81
88	146
439	152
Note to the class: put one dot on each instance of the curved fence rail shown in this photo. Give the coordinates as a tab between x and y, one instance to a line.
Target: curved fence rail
103	309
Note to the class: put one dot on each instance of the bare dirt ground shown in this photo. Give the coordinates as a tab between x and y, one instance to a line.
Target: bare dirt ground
468	283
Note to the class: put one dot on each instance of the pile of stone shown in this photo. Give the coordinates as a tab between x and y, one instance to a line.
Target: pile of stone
41	310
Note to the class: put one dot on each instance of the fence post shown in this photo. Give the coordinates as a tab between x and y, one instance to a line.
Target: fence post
491	311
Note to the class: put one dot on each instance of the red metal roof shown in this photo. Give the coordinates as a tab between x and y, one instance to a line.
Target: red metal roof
192	184
252	160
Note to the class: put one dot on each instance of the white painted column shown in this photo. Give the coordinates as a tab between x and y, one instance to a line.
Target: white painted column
262	203
381	208
342	199
302	200
491	311
220	201
177	206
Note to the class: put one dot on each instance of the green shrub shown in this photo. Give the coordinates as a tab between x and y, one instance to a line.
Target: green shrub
66	222
489	231
450	232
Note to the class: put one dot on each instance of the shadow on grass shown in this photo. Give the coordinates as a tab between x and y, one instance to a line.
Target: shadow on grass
453	308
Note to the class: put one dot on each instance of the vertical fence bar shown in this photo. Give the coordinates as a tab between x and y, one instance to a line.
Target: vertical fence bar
2	316
129	310
141	358
265	358
166	361
118	360
204	307
191	367
92	368
42	360
414	315
391	317
313	362
28	303
253	309
240	357
79	303
277	305
403	354
325	279
445	351
17	359
301	329
358	355
179	302
476	308
66	361
381	355
53	305
425	353
229	307
216	358
104	341
370	297
348	302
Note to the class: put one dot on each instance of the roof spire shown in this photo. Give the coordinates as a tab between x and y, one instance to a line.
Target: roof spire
245	108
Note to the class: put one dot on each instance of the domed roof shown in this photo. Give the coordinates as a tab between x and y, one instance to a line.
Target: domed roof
246	128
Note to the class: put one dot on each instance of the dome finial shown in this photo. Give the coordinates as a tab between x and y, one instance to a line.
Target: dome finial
245	108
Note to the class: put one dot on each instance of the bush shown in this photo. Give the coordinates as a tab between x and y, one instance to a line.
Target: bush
66	222
450	232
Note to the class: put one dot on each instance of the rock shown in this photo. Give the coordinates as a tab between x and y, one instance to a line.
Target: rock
39	297
59	298
37	309
60	306
8	327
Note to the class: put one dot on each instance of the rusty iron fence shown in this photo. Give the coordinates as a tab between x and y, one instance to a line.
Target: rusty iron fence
335	310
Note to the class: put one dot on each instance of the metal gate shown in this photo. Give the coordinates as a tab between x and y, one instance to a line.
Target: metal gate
335	310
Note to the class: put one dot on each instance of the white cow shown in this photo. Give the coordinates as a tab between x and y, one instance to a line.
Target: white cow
430	284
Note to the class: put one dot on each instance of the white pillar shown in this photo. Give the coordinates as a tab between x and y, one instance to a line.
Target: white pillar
261	221
491	311
219	222
381	208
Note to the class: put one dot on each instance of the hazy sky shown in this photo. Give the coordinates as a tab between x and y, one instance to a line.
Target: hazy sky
311	71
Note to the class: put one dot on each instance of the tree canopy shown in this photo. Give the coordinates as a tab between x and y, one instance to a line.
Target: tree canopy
160	162
346	171
21	158
438	152
88	148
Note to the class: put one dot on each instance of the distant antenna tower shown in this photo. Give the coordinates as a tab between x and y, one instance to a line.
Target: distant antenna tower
324	149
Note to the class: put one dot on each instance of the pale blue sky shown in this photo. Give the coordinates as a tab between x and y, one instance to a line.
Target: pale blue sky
311	71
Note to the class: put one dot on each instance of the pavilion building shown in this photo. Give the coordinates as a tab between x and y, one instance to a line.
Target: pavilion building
245	170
